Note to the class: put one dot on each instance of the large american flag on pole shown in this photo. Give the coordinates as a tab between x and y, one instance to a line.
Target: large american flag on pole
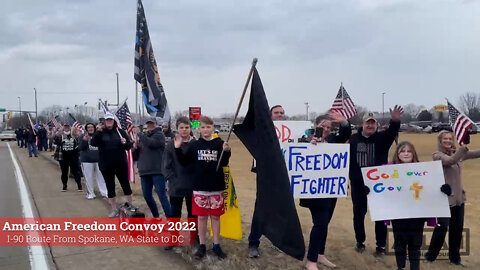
460	122
146	70
125	119
344	104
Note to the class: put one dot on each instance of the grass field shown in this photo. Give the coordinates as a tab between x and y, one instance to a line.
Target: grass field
341	239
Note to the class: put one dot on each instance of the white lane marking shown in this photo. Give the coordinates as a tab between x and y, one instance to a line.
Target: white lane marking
38	260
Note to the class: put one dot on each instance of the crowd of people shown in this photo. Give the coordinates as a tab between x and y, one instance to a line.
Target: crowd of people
188	167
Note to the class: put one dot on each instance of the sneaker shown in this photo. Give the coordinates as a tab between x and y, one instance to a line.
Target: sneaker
219	252
90	197
379	252
253	252
168	248
360	247
64	188
200	252
114	213
459	263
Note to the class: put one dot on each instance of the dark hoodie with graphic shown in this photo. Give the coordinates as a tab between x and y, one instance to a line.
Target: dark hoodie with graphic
88	152
204	156
371	151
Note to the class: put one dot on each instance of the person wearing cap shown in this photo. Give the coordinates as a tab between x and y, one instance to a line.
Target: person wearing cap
369	148
89	160
112	143
67	154
149	154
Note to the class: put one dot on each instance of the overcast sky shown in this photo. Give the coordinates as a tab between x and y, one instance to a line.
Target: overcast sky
416	51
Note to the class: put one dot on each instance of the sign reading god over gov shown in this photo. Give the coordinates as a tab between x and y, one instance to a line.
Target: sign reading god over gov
317	171
406	191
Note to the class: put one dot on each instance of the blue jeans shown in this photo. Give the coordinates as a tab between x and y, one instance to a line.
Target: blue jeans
148	182
255	234
32	148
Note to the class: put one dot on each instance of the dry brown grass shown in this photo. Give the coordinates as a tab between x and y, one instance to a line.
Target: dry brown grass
341	239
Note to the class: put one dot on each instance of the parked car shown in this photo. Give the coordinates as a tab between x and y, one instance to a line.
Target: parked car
437	127
8	135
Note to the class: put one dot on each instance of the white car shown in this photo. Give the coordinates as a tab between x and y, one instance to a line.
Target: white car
8	135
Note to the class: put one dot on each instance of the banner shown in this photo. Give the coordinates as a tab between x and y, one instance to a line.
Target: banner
317	171
291	131
406	191
230	222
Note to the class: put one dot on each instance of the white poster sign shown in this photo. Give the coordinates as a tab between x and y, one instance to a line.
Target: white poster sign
406	191
291	131
317	171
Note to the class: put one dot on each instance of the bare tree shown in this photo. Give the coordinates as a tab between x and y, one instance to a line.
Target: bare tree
357	118
412	109
470	103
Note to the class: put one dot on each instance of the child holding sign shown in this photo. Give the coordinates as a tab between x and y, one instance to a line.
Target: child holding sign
208	183
408	231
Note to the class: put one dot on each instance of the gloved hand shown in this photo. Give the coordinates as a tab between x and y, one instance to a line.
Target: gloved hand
367	190
445	188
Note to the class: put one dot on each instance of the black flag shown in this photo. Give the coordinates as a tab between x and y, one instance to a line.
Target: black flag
275	206
146	70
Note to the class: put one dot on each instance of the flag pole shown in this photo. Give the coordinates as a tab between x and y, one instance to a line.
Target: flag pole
31	124
254	63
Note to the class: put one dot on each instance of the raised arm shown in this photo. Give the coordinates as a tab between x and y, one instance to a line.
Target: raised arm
450	160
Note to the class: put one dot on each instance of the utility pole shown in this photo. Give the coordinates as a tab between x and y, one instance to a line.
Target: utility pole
20	105
118	92
383	105
306	106
36	110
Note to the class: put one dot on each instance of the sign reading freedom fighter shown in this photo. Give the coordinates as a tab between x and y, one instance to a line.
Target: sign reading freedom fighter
317	171
406	191
291	131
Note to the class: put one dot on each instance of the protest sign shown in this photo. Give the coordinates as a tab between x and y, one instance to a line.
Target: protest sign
291	131
317	171
406	191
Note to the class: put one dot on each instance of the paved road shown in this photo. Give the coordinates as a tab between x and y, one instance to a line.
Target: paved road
10	206
42	178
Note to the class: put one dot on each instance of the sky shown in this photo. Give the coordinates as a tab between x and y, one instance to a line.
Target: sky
414	51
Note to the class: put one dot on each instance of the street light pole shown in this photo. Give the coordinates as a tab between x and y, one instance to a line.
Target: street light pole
20	105
306	105
118	92
383	105
36	111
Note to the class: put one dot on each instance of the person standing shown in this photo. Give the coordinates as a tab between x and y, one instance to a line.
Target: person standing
149	154
42	139
89	160
19	135
67	156
209	183
369	148
322	209
278	114
30	137
112	143
452	161
180	178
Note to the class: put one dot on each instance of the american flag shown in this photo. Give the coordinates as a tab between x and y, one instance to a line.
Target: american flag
73	122
460	122
55	122
125	120
344	104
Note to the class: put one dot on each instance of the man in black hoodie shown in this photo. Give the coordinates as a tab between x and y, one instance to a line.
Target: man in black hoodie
370	148
112	143
30	137
149	153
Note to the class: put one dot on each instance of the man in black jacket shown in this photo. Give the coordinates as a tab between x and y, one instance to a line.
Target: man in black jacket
30	137
67	146
370	148
112	143
149	153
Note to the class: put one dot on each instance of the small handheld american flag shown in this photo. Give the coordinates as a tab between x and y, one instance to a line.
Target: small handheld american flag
56	123
74	123
344	104
125	120
460	122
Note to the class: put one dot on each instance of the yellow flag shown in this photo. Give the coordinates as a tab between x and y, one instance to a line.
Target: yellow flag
230	222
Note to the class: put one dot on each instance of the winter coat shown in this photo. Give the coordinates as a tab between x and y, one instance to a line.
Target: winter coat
149	152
